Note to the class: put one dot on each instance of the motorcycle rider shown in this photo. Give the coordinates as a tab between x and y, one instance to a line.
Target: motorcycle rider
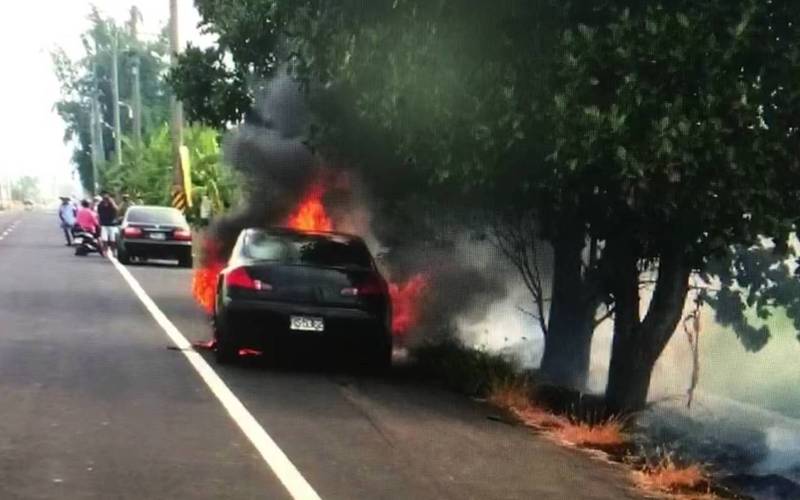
86	218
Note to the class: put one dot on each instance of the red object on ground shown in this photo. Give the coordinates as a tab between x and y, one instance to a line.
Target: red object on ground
208	345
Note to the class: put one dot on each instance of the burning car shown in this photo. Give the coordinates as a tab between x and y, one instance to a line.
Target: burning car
291	288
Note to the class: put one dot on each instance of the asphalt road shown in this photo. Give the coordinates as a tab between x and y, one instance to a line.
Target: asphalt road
96	405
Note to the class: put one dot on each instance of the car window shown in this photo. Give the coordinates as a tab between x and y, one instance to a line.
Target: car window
156	216
312	250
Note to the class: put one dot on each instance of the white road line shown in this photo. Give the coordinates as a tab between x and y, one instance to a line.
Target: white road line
275	458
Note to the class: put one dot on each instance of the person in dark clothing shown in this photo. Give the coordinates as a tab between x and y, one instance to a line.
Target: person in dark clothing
107	213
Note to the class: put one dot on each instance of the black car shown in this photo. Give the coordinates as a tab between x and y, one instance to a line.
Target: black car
151	232
290	289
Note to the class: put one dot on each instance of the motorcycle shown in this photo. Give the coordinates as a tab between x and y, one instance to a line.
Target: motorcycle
85	242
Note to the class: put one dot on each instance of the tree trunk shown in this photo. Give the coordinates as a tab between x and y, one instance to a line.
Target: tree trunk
568	342
638	344
567	351
628	380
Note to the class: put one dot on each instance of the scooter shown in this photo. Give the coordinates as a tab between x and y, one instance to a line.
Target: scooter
85	242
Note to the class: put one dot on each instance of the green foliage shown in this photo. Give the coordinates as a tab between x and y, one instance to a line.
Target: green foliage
663	125
210	176
461	368
212	93
755	284
213	83
146	172
77	85
677	118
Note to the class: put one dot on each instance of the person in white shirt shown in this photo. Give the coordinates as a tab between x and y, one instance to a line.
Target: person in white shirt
66	217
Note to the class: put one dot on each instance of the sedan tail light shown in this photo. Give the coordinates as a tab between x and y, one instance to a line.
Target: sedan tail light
132	232
371	286
182	235
239	278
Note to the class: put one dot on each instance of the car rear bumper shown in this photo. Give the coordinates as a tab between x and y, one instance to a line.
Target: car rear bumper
261	323
150	248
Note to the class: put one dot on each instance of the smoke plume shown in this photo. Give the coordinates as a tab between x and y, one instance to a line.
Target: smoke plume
416	247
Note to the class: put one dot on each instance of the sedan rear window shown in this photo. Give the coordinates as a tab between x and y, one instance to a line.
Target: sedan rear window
156	215
311	250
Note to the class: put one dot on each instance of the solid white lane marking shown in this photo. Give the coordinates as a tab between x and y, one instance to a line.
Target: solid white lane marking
276	459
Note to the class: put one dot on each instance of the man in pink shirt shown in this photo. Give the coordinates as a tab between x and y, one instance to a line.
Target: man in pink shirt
87	218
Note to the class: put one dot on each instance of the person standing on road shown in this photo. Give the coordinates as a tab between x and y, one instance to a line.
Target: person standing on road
66	215
123	207
107	212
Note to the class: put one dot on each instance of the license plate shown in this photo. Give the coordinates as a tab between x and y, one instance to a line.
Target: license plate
306	324
158	236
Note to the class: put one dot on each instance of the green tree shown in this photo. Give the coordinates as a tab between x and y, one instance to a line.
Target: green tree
646	140
146	172
78	77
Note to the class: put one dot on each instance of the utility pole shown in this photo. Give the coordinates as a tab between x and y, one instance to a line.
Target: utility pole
96	130
136	90
175	104
115	97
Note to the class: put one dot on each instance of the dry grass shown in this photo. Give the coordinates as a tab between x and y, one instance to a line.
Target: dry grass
509	394
539	418
670	477
605	435
514	396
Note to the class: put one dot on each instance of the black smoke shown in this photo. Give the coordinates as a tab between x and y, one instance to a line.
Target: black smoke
397	214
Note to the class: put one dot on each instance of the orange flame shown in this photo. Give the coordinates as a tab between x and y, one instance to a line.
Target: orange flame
405	303
204	280
310	214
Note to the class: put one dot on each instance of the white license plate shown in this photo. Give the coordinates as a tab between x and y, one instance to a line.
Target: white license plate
306	324
158	236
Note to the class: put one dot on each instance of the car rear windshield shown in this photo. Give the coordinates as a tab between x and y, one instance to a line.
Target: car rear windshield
308	249
156	216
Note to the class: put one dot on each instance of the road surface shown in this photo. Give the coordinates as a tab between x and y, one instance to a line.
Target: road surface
96	405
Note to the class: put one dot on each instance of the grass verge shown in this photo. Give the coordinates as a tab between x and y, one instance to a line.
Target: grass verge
516	393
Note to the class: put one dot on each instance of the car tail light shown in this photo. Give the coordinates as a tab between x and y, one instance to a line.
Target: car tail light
372	286
239	278
132	232
182	235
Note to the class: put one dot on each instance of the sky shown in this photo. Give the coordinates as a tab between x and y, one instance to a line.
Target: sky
31	133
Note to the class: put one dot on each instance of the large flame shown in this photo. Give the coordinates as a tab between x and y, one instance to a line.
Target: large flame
310	214
204	280
405	303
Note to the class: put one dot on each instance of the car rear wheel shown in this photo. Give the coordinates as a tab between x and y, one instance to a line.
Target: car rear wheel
123	257
378	359
226	349
185	260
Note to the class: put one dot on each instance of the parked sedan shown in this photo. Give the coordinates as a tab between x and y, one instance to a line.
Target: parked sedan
150	232
290	289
